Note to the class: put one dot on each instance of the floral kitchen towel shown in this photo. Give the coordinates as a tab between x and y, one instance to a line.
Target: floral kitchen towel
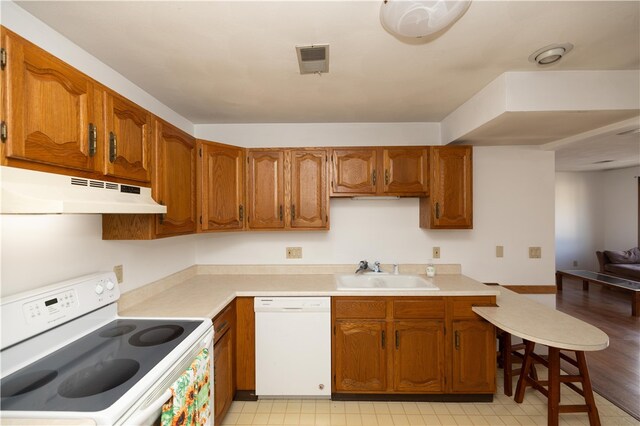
189	404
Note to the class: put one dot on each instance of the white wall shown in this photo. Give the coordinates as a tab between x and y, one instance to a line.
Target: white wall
579	219
595	211
513	207
43	249
620	198
320	134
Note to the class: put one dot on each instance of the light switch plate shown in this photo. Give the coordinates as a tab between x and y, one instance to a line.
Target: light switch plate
499	251
436	252
535	252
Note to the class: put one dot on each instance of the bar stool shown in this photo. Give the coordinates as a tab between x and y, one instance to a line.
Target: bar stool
552	390
509	354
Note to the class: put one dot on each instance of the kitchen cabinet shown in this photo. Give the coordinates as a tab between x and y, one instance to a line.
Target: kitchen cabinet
450	202
371	171
128	133
52	112
412	345
221	187
287	189
173	185
245	368
223	362
265	183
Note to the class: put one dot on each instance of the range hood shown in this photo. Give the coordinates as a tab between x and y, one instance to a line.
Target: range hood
31	192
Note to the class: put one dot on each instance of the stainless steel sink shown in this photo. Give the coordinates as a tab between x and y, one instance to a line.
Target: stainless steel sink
382	281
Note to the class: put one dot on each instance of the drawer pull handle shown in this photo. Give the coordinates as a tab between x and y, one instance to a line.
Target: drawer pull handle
457	339
397	339
383	339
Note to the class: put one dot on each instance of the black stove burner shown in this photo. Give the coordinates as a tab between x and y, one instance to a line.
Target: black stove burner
27	382
117	331
156	335
98	378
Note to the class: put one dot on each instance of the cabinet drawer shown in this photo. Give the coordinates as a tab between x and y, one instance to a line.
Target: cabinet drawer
461	306
432	307
223	322
360	308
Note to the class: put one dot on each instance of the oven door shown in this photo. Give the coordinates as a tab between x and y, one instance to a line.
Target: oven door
150	410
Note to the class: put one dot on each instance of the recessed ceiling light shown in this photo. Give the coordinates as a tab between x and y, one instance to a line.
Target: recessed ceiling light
550	54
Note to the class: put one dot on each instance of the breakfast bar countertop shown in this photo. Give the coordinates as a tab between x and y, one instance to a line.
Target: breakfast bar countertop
205	295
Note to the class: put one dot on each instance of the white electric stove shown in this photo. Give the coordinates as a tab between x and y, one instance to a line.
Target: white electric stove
65	353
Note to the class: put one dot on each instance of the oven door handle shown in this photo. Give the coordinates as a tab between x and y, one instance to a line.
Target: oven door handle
153	407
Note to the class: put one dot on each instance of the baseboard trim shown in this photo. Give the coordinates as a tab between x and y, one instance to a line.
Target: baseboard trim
532	289
412	397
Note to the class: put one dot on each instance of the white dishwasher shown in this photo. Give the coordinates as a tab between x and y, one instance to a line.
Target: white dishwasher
293	346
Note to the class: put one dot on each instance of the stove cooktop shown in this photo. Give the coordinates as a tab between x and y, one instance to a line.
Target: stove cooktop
93	372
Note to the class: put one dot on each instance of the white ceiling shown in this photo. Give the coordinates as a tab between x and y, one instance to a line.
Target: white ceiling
235	61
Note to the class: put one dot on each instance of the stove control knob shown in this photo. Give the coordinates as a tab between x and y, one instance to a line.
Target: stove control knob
99	289
110	285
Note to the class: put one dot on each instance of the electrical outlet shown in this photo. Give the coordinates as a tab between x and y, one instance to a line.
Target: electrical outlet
499	251
294	252
436	252
535	252
118	271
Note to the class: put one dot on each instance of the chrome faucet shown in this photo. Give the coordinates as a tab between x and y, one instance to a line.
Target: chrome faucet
376	267
362	266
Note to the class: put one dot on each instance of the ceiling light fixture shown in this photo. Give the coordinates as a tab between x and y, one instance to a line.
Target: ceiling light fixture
420	18
550	54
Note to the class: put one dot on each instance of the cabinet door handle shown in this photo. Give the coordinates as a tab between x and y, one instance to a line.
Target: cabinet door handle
383	339
162	215
397	340
293	212
374	176
241	212
93	139
386	177
280	212
437	210
113	147
457	339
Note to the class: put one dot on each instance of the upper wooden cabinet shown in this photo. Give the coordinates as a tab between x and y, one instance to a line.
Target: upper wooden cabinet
174	185
354	171
450	205
53	113
221	187
370	171
128	132
309	195
265	189
287	189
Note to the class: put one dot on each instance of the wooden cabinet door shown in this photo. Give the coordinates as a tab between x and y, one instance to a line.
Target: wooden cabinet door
222	376
265	193
50	109
175	180
360	361
406	171
451	187
309	192
474	360
222	187
418	356
127	136
354	171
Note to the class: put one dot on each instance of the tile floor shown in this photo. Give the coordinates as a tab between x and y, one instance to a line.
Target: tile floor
502	411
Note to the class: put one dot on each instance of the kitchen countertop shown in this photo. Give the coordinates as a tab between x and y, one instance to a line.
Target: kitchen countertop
206	295
525	318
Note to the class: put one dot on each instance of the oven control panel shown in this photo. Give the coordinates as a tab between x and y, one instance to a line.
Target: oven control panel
34	312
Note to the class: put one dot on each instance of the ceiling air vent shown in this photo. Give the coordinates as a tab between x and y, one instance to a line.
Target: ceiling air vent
313	59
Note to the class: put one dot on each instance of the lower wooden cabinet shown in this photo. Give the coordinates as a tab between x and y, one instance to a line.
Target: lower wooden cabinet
413	345
360	356
418	356
472	373
224	354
